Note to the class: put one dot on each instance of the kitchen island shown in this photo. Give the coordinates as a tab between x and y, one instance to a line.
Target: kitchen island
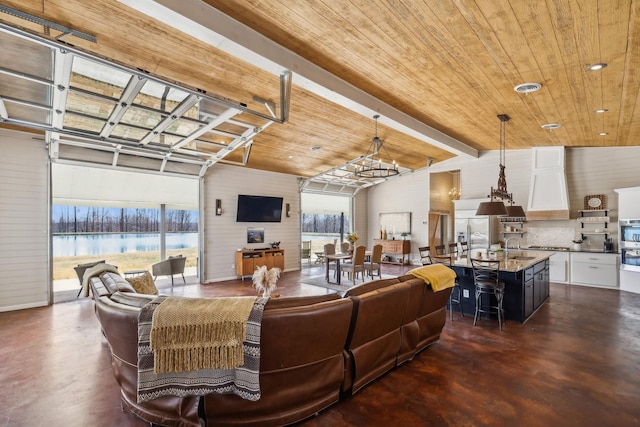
526	278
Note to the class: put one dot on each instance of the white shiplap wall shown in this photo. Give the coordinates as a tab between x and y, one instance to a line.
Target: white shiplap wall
361	219
223	235
24	222
408	193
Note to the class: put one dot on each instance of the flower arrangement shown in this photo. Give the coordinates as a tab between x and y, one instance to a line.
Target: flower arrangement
352	237
265	280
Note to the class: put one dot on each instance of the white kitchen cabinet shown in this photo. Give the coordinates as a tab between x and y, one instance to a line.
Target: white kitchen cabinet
559	267
596	269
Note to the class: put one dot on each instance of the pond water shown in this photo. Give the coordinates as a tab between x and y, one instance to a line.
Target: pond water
114	243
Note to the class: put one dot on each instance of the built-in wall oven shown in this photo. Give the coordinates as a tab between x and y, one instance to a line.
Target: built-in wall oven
630	244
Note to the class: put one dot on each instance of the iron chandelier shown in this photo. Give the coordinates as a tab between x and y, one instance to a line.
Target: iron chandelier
373	165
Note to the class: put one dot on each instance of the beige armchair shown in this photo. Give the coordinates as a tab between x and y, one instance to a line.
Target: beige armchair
169	267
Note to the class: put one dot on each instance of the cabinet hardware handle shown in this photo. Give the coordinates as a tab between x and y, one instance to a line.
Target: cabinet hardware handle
593	267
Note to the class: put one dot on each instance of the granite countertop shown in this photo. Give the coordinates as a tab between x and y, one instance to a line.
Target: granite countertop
591	251
517	260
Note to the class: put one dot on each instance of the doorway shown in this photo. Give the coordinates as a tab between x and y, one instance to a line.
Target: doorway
444	188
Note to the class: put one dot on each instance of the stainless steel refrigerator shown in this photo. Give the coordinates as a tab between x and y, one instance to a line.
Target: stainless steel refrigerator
478	231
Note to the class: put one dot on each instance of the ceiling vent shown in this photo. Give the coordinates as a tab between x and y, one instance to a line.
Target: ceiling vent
527	87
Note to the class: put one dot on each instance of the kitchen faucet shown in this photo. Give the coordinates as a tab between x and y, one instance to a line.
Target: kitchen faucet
506	246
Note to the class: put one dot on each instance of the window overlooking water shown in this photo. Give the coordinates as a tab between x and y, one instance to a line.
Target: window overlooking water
324	217
129	238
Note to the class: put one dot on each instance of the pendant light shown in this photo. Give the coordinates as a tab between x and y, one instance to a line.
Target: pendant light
497	197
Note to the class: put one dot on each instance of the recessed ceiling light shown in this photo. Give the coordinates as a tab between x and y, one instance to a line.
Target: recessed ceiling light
596	67
601	110
316	148
527	87
603	133
551	126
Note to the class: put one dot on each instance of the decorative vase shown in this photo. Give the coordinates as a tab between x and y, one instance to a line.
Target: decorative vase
385	235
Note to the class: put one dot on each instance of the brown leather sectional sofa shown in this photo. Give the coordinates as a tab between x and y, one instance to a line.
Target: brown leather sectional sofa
314	350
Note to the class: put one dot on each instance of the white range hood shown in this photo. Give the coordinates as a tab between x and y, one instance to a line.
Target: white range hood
548	194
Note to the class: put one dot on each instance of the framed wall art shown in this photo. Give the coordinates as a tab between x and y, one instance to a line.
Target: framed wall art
396	222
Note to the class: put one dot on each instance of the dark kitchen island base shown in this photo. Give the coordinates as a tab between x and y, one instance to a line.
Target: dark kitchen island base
526	285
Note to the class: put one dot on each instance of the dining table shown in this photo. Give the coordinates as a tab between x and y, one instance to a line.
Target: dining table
337	258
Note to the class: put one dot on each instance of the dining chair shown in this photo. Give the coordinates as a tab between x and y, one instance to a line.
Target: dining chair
330	249
344	247
357	265
376	259
464	249
306	250
425	255
439	250
453	249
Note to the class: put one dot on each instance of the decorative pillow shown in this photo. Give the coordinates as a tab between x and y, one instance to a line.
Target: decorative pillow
143	284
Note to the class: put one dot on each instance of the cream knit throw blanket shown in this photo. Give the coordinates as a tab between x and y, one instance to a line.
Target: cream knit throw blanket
189	334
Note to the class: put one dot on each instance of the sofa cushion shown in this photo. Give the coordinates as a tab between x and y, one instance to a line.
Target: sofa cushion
406	277
98	288
276	303
115	282
143	284
370	286
132	299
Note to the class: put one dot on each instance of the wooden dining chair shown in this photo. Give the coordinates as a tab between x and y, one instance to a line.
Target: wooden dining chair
453	249
438	250
330	249
357	265
464	249
374	265
344	247
425	255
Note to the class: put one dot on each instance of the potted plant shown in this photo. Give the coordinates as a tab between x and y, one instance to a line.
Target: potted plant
404	235
352	238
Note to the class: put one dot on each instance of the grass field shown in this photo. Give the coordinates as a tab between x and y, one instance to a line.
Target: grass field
63	266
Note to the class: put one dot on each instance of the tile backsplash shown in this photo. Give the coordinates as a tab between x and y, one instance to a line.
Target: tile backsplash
551	236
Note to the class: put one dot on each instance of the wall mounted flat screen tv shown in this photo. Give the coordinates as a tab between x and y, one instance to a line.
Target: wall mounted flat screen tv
259	208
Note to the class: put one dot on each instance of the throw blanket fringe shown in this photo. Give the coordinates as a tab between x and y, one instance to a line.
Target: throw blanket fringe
188	334
191	359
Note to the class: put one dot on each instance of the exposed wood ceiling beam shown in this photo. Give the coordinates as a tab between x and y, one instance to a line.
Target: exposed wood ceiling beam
205	23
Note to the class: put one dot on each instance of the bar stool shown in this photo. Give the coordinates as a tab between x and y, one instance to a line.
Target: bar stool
456	292
485	277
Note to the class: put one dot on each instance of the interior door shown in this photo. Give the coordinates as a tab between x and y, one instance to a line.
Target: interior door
435	231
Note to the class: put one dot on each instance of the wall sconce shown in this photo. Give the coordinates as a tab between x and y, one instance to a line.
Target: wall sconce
288	210
218	207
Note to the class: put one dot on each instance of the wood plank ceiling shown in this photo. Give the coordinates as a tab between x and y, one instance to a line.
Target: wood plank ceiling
450	64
